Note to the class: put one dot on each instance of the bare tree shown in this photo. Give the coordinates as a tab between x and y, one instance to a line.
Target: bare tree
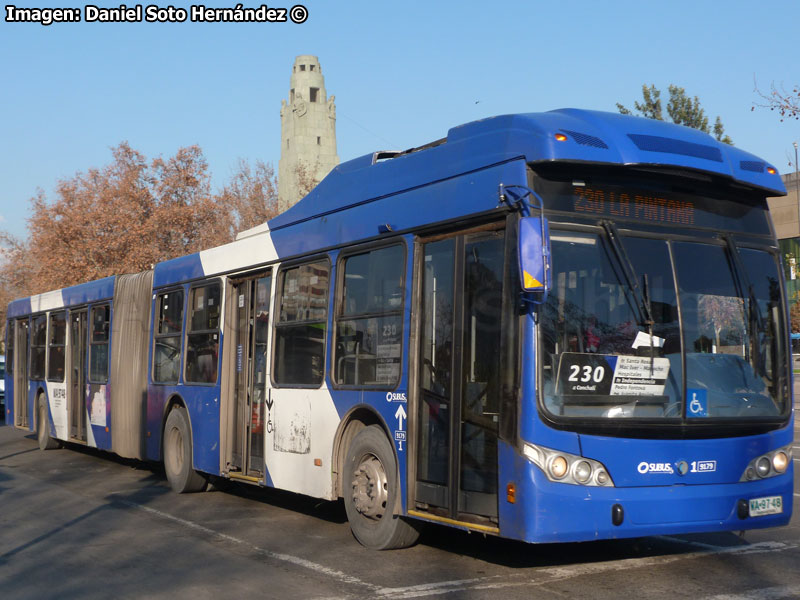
786	103
15	270
128	215
120	218
306	178
251	197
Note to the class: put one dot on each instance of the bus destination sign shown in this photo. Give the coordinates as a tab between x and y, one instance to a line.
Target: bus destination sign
614	203
654	204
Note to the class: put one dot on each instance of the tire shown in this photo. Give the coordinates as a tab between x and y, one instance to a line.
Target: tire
178	454
370	490
46	442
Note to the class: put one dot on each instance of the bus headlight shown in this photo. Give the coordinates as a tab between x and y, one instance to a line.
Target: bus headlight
558	467
582	471
780	461
770	464
564	467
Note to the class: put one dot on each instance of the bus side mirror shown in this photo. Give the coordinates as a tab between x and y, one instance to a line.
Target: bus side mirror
534	254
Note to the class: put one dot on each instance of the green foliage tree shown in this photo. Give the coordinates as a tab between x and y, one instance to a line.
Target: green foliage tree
681	109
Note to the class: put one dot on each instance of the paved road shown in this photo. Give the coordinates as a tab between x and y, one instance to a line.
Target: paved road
76	523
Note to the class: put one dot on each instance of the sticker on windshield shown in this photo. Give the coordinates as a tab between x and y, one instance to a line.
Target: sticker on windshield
640	376
642	339
610	375
696	402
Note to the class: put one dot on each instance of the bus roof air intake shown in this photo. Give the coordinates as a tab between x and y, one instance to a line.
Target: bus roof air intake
584	139
656	143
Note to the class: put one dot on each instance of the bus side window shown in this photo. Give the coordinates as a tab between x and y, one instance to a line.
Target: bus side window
38	347
369	318
202	338
98	343
301	326
57	334
167	337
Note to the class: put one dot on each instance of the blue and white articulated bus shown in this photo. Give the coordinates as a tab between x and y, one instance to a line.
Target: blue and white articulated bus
548	327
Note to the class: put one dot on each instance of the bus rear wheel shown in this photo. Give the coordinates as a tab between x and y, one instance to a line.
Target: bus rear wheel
178	454
46	442
370	491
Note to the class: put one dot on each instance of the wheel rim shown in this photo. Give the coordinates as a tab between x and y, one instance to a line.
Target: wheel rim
370	488
175	450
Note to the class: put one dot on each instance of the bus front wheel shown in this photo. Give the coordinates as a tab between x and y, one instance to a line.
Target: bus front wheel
178	454
370	491
46	442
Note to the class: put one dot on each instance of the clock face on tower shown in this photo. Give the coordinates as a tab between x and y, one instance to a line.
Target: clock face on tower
299	107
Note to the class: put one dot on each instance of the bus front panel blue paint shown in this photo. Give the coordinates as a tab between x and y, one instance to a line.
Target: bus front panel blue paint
547	511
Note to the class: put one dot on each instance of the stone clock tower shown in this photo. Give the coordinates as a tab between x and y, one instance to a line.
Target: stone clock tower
308	133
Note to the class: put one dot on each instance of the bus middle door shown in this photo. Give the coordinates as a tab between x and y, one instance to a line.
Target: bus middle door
77	383
252	297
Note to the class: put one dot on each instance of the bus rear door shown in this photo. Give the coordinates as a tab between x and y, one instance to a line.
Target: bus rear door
21	374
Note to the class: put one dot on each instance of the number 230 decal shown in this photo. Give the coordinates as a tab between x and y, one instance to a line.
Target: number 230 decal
586	373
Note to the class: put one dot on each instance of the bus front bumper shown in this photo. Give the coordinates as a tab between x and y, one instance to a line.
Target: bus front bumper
545	511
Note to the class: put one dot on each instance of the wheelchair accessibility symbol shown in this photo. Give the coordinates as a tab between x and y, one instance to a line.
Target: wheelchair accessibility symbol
698	402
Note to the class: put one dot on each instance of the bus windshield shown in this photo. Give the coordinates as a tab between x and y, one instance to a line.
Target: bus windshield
715	305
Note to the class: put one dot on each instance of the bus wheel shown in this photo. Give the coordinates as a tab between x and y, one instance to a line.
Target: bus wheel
43	426
370	489
178	454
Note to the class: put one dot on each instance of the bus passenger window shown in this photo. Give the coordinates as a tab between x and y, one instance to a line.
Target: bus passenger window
167	337
202	340
369	321
302	322
57	341
98	343
38	347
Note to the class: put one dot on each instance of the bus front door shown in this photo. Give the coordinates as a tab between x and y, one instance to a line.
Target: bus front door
21	374
458	395
77	385
252	298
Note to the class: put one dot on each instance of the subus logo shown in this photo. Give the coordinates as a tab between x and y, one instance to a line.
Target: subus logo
396	397
646	467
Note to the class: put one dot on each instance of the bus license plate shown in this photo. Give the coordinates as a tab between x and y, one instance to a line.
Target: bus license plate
771	505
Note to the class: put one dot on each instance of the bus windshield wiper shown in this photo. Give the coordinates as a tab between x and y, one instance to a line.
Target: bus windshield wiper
641	297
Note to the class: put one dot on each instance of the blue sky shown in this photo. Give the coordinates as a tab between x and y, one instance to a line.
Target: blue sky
402	73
